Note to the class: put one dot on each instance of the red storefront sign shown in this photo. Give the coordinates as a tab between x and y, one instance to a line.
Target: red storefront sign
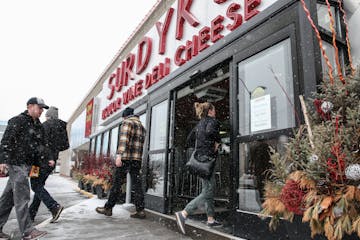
89	116
135	64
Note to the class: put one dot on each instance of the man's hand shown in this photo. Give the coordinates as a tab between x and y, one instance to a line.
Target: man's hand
2	168
217	146
51	163
118	161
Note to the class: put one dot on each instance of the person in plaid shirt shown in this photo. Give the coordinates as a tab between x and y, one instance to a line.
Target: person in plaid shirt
128	159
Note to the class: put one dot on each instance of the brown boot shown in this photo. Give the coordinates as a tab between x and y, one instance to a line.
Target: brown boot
103	210
56	211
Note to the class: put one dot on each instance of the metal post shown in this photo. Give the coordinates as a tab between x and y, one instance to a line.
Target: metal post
128	188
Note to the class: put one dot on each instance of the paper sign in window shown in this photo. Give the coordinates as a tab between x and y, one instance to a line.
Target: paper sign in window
260	113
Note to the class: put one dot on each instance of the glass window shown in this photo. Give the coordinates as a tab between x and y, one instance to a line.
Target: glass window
156	175
265	85
93	144
98	145
114	142
324	18
254	163
105	143
158	126
142	118
330	52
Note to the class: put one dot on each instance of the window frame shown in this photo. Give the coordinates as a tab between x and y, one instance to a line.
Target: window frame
326	35
277	37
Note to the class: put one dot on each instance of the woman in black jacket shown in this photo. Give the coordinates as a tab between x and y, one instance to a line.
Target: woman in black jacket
207	143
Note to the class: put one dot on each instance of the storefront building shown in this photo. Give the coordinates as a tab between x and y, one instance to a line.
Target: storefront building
250	58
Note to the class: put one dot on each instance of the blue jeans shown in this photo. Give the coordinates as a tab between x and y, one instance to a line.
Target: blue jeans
206	198
38	186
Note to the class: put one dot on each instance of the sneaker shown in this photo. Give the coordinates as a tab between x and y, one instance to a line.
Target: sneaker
213	224
105	211
140	215
180	220
56	211
34	234
4	236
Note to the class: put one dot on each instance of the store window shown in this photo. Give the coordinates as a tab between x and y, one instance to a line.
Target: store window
324	18
92	146
105	143
266	98
158	126
156	164
266	93
157	174
326	34
142	118
254	165
98	145
330	52
114	142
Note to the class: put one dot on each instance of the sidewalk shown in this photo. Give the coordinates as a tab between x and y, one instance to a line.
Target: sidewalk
82	222
79	219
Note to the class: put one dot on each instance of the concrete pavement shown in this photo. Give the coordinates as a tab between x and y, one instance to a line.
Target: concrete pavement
80	221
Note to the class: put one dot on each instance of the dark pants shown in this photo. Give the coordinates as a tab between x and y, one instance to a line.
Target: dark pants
38	186
119	178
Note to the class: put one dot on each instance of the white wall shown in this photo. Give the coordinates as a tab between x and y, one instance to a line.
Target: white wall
353	11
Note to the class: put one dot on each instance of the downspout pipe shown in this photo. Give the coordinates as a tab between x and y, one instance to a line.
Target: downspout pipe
352	7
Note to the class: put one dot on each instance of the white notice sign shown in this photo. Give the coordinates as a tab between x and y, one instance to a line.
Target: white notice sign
260	113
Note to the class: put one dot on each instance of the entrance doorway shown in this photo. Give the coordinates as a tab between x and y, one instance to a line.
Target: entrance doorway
212	86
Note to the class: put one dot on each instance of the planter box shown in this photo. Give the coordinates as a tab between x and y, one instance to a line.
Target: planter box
88	187
100	192
81	185
93	190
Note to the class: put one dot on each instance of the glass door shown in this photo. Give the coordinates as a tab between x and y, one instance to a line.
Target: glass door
157	167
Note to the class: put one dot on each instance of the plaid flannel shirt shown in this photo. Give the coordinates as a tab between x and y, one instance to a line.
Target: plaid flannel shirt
131	139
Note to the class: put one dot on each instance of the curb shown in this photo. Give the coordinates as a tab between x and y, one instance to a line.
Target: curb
83	192
193	230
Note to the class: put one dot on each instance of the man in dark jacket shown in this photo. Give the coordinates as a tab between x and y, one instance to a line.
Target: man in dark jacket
128	159
23	145
55	130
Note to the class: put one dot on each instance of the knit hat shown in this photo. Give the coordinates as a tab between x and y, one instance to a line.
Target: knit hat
52	113
127	112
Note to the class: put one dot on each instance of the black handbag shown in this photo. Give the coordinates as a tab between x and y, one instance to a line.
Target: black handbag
202	166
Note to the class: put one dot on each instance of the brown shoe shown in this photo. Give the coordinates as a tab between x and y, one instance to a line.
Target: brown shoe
4	236
140	215
105	211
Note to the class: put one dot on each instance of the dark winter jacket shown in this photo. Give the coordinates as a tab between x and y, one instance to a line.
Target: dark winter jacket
55	130
207	133
24	142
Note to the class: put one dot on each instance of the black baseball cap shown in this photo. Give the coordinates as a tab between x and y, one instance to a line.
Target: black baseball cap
38	101
128	112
